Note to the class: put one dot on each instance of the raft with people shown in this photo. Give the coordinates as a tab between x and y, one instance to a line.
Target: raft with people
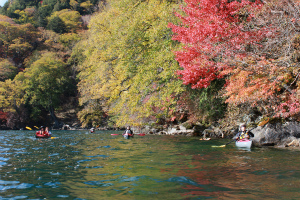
43	133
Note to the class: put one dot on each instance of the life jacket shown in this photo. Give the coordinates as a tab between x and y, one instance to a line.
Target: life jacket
41	133
244	135
128	132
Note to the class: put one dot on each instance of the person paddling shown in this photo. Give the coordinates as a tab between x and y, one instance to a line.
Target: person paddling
243	133
41	132
127	133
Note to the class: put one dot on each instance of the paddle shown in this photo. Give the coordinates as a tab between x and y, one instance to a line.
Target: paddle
224	145
260	124
140	134
28	128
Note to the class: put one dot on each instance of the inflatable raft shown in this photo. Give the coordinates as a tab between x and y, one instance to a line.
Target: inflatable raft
244	143
38	135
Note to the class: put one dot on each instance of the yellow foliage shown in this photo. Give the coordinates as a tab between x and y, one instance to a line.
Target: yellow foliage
129	64
69	17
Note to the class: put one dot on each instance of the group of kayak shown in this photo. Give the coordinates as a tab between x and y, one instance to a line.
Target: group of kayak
242	138
43	133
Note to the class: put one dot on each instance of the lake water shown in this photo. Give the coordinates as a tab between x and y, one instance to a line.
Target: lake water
80	165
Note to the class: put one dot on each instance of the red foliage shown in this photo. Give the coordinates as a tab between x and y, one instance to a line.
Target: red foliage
3	117
213	31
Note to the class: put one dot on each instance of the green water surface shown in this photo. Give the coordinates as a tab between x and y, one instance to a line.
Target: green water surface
82	165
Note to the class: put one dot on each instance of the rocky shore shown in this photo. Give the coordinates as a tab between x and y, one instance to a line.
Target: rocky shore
270	134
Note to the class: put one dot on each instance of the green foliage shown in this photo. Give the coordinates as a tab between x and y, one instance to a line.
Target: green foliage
45	80
12	95
204	105
129	64
92	115
69	40
25	16
7	70
57	25
70	18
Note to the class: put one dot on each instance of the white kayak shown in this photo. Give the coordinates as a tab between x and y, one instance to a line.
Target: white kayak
244	143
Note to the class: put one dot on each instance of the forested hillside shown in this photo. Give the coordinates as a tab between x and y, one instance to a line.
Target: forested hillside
149	62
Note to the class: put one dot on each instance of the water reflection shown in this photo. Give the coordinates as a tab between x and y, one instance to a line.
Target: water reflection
79	165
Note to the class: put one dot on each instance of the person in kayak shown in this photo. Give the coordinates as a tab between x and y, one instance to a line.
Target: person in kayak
41	132
47	132
243	133
128	132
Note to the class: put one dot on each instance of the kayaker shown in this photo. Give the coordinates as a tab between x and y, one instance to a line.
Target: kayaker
47	132
128	132
92	130
41	132
243	133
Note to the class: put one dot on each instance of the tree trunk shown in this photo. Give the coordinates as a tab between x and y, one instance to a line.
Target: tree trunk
54	118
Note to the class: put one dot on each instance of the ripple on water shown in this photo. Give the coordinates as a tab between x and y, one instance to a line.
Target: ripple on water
99	183
62	196
3	159
56	174
52	184
54	154
102	156
6	185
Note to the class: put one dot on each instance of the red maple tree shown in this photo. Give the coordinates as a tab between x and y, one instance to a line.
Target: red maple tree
213	33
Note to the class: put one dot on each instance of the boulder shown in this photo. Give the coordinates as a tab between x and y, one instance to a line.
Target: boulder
276	134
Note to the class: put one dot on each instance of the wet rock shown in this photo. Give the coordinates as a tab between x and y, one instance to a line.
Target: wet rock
213	132
180	130
66	127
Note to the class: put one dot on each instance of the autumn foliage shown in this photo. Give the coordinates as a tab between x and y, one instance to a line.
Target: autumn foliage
251	44
213	32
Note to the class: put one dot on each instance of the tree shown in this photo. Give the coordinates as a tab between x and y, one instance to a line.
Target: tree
45	83
269	78
129	66
70	18
7	70
57	25
255	46
214	32
12	101
17	41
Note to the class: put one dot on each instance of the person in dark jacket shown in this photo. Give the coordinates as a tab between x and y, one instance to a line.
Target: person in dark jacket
243	133
127	133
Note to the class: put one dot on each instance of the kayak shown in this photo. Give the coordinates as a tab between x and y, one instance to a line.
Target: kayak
244	143
128	136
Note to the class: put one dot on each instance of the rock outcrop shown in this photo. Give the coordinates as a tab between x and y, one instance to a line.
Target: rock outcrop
277	134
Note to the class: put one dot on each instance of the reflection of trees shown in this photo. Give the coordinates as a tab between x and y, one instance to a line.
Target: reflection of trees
238	175
101	166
